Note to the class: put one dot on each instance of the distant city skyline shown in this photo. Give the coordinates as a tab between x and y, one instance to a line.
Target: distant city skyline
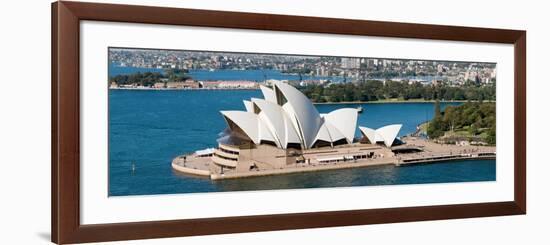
352	69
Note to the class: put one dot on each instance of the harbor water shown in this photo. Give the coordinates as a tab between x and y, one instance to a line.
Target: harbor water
148	128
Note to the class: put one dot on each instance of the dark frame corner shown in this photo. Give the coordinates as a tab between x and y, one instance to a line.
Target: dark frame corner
66	227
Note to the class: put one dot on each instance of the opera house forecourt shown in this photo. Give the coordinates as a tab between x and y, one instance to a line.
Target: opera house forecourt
284	133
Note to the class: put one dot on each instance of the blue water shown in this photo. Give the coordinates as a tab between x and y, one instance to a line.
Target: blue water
114	70
253	75
445	172
379	115
150	128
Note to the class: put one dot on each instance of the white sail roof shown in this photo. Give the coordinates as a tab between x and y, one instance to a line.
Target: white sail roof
286	116
279	121
265	133
334	132
246	121
323	135
345	120
268	93
389	133
329	133
248	106
369	133
272	115
303	111
386	134
290	132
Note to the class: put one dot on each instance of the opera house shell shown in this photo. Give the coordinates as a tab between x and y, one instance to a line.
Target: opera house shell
286	118
386	134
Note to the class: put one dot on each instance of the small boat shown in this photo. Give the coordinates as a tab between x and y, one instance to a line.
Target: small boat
359	109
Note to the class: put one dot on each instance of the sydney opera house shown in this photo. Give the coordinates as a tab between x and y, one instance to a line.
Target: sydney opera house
284	128
284	133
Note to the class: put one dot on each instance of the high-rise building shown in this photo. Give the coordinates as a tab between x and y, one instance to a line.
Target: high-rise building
350	63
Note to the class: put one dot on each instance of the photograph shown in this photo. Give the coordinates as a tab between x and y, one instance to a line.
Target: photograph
201	121
279	121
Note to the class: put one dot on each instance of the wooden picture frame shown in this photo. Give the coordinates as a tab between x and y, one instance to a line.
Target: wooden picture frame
65	164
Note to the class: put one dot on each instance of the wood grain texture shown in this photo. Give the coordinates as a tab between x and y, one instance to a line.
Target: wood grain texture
54	114
272	22
66	17
520	122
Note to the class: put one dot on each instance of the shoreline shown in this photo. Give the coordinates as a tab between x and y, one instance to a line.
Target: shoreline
400	101
414	151
342	166
183	89
316	168
396	102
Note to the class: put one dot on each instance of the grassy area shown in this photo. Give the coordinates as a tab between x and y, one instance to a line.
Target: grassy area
463	133
474	122
424	127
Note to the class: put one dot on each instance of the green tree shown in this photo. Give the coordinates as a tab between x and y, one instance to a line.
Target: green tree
491	137
437	109
434	128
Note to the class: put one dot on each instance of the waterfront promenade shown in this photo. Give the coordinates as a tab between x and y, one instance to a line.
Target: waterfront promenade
414	151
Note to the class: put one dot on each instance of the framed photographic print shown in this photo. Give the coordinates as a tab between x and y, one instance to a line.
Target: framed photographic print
177	122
